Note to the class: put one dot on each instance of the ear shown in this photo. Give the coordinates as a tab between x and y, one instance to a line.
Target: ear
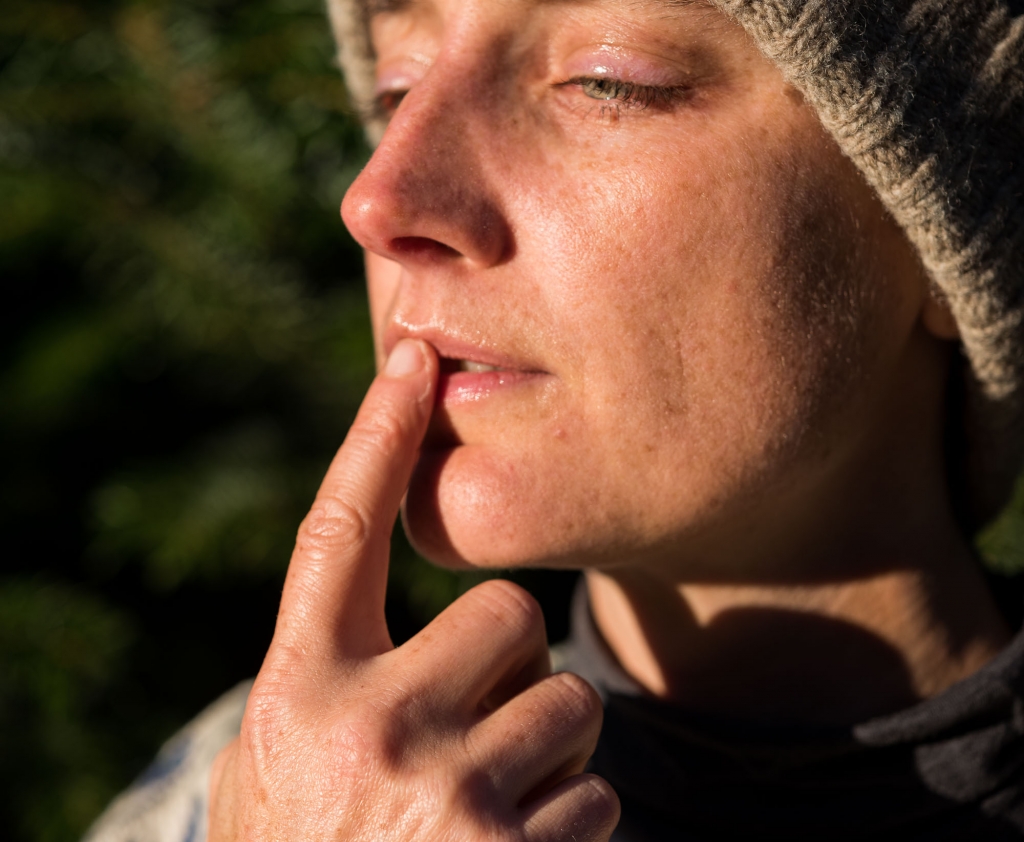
937	317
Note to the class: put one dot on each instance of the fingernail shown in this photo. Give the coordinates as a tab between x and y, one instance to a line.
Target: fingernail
406	358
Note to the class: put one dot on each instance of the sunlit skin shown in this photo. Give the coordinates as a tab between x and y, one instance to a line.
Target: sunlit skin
720	306
742	368
635	313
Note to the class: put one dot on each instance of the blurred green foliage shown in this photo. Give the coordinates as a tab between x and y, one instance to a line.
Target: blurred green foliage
184	344
185	341
1001	545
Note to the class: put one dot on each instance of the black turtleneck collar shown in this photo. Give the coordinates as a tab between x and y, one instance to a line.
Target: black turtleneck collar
948	768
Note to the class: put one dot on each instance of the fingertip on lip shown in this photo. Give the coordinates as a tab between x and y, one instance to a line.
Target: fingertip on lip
453	348
407	358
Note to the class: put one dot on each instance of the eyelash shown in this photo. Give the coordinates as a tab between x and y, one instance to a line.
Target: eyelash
628	94
383	106
619	93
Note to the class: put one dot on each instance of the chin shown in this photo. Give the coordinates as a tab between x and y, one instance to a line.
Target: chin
457	524
472	508
468	508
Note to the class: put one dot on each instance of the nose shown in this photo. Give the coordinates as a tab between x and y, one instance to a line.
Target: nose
424	197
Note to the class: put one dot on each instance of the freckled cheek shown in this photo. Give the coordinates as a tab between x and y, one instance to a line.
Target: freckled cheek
664	268
703	346
798	294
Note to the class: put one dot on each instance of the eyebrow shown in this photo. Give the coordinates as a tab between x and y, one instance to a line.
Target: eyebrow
371	8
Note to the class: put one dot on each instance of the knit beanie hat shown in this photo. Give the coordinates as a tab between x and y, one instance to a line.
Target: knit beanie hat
926	97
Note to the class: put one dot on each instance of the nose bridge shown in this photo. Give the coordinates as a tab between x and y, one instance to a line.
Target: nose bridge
427	179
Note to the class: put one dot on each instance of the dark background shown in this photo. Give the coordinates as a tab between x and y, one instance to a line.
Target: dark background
183	342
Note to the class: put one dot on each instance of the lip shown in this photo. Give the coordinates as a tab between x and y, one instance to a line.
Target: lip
457	387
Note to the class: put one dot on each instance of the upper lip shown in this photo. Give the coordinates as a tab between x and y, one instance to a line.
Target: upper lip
449	346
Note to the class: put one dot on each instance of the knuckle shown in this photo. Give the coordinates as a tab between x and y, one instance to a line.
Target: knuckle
267	726
287	661
601	805
332	523
364	743
574	698
586	809
396	724
359	736
509	605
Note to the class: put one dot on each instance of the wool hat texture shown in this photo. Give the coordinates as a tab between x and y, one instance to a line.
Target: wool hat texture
926	97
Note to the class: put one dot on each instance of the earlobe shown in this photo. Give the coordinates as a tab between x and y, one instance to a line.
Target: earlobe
938	318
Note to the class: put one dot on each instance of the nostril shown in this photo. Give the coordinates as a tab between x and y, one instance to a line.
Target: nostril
421	247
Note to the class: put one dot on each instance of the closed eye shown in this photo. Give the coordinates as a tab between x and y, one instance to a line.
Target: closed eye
385	104
631	94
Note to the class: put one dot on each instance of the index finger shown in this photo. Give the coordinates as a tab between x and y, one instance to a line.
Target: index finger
334	591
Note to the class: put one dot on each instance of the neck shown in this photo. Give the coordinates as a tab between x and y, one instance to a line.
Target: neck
850	596
832	653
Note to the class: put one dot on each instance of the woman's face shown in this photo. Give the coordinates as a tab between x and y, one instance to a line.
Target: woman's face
666	304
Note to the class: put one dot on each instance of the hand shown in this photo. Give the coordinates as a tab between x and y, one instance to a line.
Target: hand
460	734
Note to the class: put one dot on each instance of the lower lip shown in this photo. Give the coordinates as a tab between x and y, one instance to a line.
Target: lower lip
461	387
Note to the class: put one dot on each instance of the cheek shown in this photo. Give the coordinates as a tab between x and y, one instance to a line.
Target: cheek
707	319
835	294
821	296
739	312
